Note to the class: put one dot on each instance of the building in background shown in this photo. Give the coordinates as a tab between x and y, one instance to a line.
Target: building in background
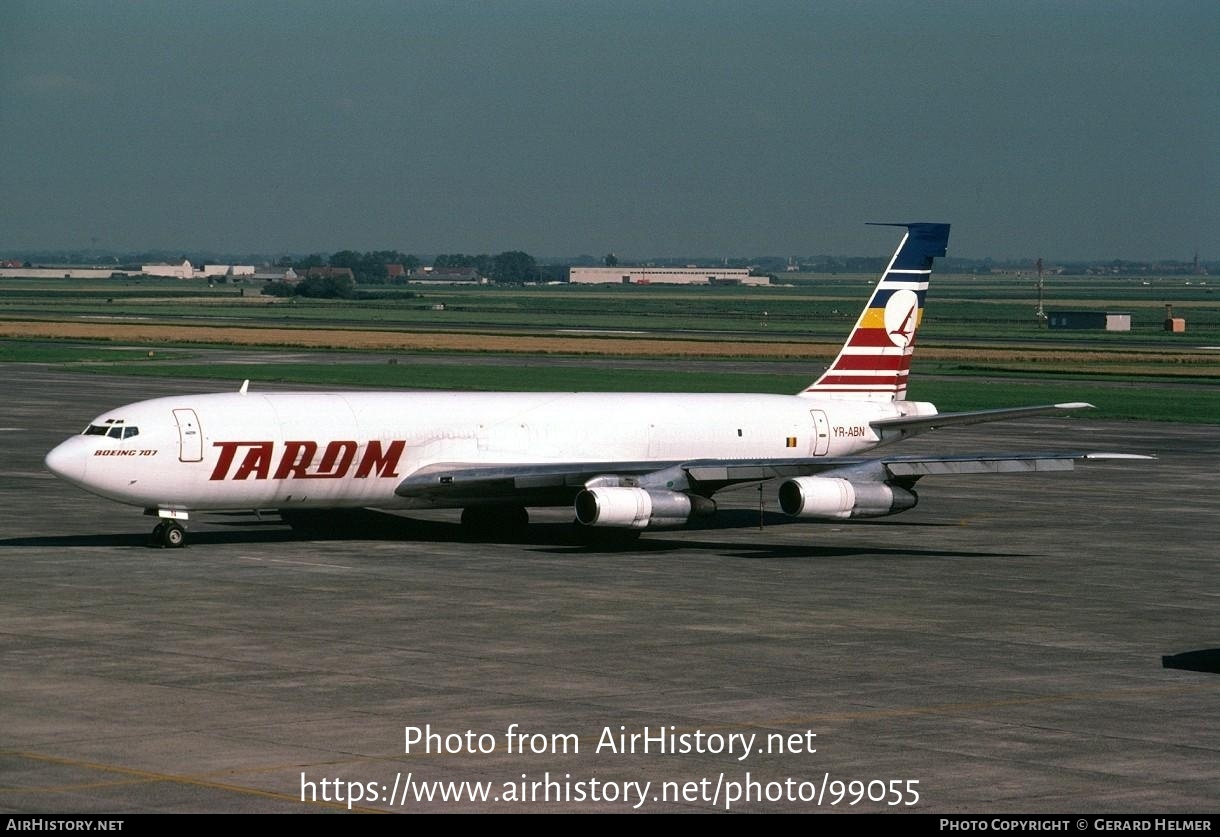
623	275
1099	320
172	271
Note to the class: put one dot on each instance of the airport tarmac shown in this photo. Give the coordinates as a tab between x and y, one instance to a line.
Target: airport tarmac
1001	645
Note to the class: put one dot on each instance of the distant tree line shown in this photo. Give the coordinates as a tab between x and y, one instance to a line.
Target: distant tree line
510	267
314	287
368	267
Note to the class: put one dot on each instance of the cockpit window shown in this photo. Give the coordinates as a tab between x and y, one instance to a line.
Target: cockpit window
114	428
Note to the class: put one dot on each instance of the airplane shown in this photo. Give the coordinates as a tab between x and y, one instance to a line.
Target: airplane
623	462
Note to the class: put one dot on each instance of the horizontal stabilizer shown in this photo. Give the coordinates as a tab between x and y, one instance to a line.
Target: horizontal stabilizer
920	424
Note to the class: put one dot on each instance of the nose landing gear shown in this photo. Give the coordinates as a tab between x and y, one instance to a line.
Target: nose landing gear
169	534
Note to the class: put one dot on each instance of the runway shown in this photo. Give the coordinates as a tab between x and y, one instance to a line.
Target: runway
1000	645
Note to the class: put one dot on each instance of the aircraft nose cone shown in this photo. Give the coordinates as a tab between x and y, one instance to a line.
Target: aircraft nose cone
68	461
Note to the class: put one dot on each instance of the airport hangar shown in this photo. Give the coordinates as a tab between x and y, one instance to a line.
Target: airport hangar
625	275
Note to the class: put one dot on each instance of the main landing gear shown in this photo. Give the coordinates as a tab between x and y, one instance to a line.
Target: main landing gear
608	538
169	534
495	521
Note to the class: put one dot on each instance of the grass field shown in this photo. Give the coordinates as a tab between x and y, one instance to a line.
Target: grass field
959	307
979	346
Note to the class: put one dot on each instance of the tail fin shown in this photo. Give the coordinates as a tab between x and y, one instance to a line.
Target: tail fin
875	362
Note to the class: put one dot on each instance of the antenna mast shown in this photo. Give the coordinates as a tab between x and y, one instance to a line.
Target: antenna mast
1040	314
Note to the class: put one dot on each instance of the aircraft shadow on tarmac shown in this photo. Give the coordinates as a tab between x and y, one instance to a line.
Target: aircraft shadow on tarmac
1205	660
556	538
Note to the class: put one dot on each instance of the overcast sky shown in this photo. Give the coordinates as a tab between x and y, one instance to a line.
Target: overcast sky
1062	129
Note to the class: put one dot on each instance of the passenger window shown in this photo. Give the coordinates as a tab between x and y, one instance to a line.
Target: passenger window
131	431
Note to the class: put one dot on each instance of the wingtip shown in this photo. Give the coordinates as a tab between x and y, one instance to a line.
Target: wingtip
1075	405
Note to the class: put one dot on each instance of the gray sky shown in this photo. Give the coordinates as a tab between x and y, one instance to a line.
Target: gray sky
1062	129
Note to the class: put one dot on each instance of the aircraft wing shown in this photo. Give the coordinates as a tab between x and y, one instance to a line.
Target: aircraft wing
886	468
527	483
994	463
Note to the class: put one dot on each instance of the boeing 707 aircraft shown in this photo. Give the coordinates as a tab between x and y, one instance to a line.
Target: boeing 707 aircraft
629	461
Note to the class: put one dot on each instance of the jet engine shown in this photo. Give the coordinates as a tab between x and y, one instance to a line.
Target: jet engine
836	499
638	508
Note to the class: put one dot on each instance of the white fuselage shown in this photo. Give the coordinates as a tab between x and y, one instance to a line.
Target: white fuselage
351	449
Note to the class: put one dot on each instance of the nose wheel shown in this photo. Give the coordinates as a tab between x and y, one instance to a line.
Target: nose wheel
169	534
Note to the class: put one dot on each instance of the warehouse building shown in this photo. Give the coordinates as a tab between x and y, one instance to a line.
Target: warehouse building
66	272
664	276
1099	320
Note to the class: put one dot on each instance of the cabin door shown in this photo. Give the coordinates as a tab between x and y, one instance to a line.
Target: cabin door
821	433
190	438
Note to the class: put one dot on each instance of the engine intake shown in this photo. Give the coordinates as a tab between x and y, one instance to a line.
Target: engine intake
638	508
838	499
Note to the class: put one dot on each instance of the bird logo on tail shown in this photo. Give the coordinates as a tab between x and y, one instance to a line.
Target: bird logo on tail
902	317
